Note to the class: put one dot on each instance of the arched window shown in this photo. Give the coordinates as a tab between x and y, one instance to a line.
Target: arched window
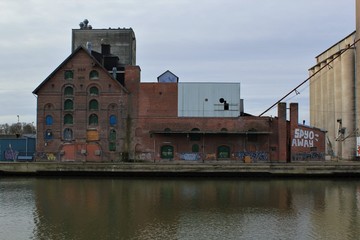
223	152
112	140
112	146
93	119
94	91
68	134
94	74
68	119
195	135
195	148
113	120
68	91
49	120
112	135
93	105
68	74
48	134
68	104
167	152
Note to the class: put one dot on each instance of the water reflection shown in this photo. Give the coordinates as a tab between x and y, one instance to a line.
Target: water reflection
187	209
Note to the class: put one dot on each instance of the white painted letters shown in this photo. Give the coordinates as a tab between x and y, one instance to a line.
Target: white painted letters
304	138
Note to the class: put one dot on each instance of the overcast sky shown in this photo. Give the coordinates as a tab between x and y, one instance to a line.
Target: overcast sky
265	45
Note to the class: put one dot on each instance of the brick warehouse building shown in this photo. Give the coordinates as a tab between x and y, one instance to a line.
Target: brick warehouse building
93	107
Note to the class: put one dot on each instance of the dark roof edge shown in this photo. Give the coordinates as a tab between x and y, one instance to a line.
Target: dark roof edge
336	44
67	59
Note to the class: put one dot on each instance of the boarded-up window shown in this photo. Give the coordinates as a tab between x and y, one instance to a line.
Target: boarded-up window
113	120
49	120
92	135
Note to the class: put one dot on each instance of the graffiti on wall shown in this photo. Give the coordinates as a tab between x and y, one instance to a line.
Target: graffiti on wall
310	156
256	156
304	138
210	156
144	156
190	156
45	156
10	154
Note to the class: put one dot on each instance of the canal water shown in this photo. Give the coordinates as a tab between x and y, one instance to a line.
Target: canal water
114	208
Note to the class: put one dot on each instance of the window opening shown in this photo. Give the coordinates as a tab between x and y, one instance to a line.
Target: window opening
68	119
93	119
94	74
68	134
195	148
49	120
68	91
113	120
69	104
167	152
93	105
94	91
48	134
69	74
223	152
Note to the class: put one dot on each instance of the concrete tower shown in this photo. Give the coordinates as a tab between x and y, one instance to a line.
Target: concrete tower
357	74
335	95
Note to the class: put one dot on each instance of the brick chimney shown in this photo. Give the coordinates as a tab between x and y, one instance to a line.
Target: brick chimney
282	133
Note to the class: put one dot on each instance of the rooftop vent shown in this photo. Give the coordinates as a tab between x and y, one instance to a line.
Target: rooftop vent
84	24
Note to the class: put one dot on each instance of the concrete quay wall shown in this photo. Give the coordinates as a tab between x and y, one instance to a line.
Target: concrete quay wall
178	169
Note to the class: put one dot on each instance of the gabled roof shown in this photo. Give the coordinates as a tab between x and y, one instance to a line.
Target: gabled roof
80	48
168	76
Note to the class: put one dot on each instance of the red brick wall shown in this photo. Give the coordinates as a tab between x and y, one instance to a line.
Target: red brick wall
282	133
306	143
112	99
218	131
158	100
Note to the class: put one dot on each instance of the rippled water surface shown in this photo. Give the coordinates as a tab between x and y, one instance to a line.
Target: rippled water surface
84	208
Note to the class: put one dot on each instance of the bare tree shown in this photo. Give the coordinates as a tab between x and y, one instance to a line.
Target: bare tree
17	129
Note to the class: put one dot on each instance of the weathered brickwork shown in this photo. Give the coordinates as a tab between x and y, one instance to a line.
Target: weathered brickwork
85	114
90	102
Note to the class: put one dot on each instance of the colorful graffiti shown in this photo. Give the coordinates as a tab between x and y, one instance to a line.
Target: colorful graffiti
310	156
41	156
145	156
210	156
304	138
190	156
257	156
10	154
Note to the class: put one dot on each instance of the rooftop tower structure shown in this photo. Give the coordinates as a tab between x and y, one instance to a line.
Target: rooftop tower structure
121	40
